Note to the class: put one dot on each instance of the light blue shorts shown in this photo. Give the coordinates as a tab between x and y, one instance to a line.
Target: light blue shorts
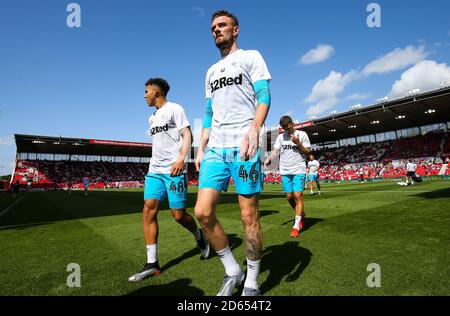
219	164
158	186
293	183
314	177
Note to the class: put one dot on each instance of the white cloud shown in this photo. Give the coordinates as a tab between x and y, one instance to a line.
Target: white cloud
6	141
7	164
395	60
426	75
325	91
358	96
316	55
199	11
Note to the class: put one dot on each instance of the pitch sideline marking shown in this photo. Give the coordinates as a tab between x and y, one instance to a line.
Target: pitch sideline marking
6	210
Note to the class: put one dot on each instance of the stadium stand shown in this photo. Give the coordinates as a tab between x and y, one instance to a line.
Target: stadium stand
383	159
58	174
428	114
374	160
108	164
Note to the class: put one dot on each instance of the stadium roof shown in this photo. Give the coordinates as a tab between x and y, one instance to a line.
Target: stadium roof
80	146
412	111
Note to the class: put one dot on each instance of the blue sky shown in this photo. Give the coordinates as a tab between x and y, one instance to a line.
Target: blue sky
89	81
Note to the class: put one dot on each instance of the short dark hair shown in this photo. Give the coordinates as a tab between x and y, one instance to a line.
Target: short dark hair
225	13
285	120
161	83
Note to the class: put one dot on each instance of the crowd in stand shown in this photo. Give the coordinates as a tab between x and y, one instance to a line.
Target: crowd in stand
386	159
47	174
364	161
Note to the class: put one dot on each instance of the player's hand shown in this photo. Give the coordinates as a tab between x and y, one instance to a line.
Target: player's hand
177	168
198	160
267	162
295	140
249	144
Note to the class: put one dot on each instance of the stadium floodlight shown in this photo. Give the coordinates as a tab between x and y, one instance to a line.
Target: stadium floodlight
38	142
400	117
313	117
352	126
445	84
56	143
356	106
315	134
382	100
412	92
333	112
375	122
332	130
430	111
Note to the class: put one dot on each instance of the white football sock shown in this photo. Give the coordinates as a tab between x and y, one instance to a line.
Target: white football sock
230	264
297	222
152	253
253	268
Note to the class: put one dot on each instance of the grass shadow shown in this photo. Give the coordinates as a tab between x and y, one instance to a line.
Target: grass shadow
287	260
264	213
180	287
308	223
443	193
233	240
56	206
25	226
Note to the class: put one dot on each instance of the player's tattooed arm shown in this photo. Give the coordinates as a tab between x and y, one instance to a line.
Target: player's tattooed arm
273	154
296	141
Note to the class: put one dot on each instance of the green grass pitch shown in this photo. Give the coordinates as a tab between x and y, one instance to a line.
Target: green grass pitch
405	230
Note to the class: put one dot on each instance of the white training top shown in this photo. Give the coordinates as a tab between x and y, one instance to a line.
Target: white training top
229	84
313	166
411	167
292	161
165	126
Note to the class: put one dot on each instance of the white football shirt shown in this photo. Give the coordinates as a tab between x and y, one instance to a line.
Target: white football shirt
229	84
165	126
313	166
292	161
411	167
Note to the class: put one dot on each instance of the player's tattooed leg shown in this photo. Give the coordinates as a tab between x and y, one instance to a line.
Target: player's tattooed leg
254	240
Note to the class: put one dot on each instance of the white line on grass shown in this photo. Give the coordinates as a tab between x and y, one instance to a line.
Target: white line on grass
6	210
